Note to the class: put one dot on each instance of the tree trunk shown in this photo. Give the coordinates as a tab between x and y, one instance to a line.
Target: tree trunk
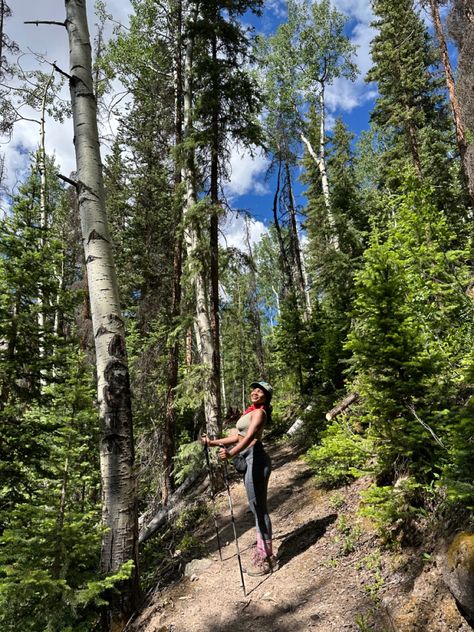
254	311
193	244
2	12
455	107
320	161
43	220
287	273
461	28
341	407
119	510
322	153
169	444
296	247
214	240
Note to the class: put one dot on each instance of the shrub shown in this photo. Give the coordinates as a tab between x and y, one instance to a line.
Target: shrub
340	456
396	511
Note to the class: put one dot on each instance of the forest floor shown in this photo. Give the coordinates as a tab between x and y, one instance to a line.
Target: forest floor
333	576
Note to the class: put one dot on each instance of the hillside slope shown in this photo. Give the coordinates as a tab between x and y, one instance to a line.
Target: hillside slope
333	574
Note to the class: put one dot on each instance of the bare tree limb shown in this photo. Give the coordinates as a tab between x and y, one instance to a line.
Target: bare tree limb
341	407
61	72
73	183
38	22
426	427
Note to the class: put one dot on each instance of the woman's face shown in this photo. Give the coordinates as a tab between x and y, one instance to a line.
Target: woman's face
258	396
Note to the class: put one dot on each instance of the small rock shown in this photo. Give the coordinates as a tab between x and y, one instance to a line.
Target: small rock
197	567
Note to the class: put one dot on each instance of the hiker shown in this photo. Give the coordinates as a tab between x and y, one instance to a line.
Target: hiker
250	456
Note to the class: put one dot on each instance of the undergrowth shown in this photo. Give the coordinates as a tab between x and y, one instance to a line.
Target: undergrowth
340	457
163	557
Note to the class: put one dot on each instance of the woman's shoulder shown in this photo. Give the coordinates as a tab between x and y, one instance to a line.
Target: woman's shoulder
259	413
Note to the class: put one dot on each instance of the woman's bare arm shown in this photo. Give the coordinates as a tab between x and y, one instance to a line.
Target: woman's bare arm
230	440
257	421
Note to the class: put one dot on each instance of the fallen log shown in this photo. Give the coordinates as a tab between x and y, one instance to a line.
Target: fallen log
341	407
175	505
299	422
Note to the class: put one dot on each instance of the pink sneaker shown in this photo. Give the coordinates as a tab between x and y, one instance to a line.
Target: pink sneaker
263	566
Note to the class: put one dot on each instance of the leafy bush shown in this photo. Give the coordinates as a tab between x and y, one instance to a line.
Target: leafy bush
340	456
396	511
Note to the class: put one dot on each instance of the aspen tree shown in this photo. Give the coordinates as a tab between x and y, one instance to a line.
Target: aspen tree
119	514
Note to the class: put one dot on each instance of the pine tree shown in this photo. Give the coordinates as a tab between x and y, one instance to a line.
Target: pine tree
410	334
331	273
50	501
411	110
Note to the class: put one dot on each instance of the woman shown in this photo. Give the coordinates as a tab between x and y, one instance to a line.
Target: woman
248	442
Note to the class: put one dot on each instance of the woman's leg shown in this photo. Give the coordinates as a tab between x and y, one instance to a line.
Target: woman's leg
256	485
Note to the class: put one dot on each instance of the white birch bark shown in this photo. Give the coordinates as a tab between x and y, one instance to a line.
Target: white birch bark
320	161
119	513
193	237
307	296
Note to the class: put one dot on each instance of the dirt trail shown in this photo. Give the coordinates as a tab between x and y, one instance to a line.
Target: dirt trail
333	575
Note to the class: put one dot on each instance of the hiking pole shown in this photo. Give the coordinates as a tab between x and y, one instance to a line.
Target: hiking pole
231	507
211	484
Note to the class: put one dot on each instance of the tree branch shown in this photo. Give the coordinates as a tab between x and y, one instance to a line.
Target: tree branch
38	22
411	408
73	183
61	72
310	149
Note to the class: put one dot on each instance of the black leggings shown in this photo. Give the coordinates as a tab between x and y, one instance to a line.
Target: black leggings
259	467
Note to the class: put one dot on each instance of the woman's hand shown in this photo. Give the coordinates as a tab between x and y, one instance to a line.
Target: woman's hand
223	454
205	440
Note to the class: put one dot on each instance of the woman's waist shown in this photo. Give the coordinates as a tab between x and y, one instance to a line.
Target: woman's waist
255	448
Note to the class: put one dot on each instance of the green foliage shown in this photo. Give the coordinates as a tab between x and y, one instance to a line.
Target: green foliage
50	541
395	511
406	353
348	536
411	110
293	347
189	459
372	564
332	270
456	474
340	457
306	53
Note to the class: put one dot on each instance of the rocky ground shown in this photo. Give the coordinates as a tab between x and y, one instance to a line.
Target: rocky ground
333	575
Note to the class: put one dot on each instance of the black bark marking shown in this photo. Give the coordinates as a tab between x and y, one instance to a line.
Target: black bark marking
118	418
113	318
95	236
117	347
91	258
101	331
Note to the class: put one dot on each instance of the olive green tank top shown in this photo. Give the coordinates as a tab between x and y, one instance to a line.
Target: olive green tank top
243	424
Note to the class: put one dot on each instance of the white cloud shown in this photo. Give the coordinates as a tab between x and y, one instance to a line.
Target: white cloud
247	173
344	94
278	7
234	230
358	9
